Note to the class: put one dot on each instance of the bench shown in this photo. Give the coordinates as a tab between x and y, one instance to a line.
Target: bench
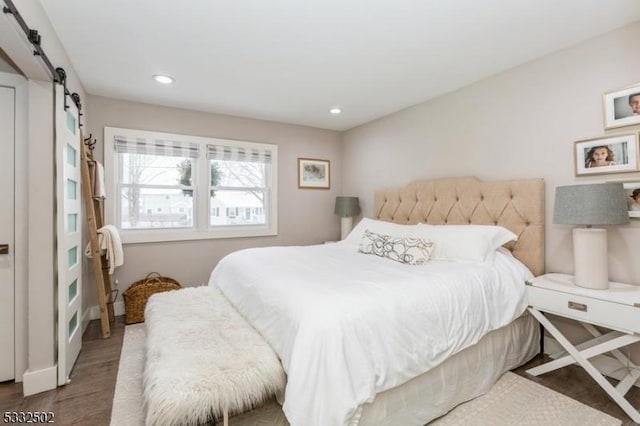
203	360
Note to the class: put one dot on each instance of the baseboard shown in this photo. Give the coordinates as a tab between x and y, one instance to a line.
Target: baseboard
86	317
94	311
39	381
607	365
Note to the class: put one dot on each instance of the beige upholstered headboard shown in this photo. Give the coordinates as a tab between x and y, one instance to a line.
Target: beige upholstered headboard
518	205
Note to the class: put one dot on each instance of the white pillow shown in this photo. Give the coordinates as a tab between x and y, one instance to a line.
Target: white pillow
379	227
476	243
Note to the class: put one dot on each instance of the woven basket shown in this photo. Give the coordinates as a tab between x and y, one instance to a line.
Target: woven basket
136	296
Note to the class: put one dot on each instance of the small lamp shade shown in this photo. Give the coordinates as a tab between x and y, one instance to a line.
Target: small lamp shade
347	206
591	204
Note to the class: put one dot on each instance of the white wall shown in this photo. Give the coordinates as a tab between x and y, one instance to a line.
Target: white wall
519	124
6	65
305	216
41	294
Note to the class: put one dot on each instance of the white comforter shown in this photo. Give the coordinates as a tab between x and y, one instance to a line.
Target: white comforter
347	325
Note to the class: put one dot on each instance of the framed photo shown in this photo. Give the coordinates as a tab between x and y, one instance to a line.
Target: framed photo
313	173
609	154
622	107
632	191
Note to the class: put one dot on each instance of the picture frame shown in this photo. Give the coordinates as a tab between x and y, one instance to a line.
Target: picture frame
632	187
622	107
621	155
314	173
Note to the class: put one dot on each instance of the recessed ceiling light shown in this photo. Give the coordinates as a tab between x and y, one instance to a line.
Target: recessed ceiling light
164	79
335	111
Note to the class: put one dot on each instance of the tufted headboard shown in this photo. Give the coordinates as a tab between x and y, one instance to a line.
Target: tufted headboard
518	205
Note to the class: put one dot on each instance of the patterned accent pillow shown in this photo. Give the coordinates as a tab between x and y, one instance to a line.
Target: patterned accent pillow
412	251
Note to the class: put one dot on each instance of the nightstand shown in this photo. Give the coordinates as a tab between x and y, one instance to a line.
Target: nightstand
617	309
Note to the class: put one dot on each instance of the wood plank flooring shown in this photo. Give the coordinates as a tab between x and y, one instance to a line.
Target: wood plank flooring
575	383
86	400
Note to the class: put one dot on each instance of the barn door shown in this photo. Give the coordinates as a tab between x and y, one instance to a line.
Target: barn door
69	238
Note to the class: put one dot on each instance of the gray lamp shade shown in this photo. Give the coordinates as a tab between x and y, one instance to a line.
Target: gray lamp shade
347	206
591	204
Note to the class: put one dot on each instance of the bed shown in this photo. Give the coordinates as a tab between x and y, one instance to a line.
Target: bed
371	340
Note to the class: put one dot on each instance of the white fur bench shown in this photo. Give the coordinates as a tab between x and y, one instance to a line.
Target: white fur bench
203	360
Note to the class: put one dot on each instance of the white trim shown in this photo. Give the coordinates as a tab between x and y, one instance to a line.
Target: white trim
21	212
39	380
201	229
93	312
150	236
86	317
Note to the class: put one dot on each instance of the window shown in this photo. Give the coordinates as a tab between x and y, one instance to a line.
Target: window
239	183
176	187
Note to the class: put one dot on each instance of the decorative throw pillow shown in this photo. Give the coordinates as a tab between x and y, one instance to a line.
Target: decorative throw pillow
379	227
412	251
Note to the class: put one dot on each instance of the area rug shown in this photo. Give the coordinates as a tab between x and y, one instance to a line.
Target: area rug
127	399
513	400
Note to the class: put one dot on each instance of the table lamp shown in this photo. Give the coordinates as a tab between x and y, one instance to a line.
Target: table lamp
591	204
346	208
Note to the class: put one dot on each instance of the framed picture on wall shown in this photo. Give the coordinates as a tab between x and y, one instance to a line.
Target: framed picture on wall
313	173
622	107
632	191
610	154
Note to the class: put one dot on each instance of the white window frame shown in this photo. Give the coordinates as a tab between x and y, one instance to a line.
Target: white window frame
201	229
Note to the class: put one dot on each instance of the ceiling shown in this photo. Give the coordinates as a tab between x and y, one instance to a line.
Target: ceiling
292	60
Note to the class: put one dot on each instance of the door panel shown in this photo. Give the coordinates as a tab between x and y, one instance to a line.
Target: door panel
7	226
69	237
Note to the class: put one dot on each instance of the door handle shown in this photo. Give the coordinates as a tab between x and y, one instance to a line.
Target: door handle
4	248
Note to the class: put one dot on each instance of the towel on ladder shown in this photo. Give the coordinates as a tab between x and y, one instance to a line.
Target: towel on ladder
96	177
109	241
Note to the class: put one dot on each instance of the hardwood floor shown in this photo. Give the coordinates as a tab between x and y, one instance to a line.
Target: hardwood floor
575	383
86	400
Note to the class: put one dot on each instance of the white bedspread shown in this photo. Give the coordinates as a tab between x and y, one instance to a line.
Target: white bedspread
347	326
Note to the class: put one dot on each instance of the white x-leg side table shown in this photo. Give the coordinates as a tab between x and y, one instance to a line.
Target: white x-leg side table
617	309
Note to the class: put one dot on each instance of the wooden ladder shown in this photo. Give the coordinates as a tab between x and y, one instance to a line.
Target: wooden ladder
93	210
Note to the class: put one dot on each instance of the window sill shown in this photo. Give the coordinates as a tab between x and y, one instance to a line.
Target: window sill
146	236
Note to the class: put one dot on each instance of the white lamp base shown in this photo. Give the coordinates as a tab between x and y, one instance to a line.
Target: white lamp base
346	224
590	258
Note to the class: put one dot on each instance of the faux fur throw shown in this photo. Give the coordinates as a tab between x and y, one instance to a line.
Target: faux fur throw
202	357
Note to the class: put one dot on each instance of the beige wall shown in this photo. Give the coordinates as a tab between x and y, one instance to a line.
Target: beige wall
521	123
518	124
305	215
